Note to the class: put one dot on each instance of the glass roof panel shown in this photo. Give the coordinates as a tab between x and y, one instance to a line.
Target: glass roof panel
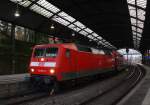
139	18
131	2
66	16
132	11
139	35
133	21
41	11
134	36
61	21
73	27
131	7
77	29
142	3
95	39
103	40
138	38
90	36
133	28
48	6
134	32
140	24
103	43
95	35
83	32
25	3
139	30
141	14
106	42
100	42
79	24
88	30
99	37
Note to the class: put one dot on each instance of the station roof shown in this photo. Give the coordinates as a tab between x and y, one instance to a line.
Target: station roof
109	19
107	22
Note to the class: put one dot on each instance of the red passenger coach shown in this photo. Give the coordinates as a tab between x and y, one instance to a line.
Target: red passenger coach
60	62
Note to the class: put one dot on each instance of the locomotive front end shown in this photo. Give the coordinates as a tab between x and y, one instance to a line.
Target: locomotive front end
43	64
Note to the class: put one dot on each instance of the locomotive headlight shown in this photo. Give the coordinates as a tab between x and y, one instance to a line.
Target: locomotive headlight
52	71
42	59
32	70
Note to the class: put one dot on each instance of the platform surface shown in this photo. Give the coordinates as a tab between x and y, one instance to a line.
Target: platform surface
141	94
7	79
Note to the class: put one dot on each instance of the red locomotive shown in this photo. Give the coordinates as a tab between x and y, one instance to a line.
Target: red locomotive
60	62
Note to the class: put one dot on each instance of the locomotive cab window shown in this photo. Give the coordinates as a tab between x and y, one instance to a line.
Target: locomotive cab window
46	52
39	52
51	52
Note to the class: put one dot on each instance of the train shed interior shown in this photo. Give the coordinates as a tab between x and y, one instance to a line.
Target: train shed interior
110	24
120	26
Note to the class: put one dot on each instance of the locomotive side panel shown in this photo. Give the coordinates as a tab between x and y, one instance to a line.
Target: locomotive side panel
67	65
90	64
109	62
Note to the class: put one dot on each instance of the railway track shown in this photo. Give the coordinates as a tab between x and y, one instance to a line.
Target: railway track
132	77
21	98
113	96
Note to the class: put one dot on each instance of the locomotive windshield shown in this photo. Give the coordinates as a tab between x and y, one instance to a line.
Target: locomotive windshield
46	52
51	52
39	52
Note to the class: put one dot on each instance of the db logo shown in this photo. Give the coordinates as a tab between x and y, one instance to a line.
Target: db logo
41	64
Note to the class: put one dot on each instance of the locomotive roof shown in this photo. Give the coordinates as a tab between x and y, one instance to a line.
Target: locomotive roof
73	46
65	45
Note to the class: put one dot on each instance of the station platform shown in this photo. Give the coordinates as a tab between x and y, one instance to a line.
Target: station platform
7	79
11	85
140	95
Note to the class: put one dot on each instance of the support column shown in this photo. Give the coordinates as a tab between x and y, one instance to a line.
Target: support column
13	48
